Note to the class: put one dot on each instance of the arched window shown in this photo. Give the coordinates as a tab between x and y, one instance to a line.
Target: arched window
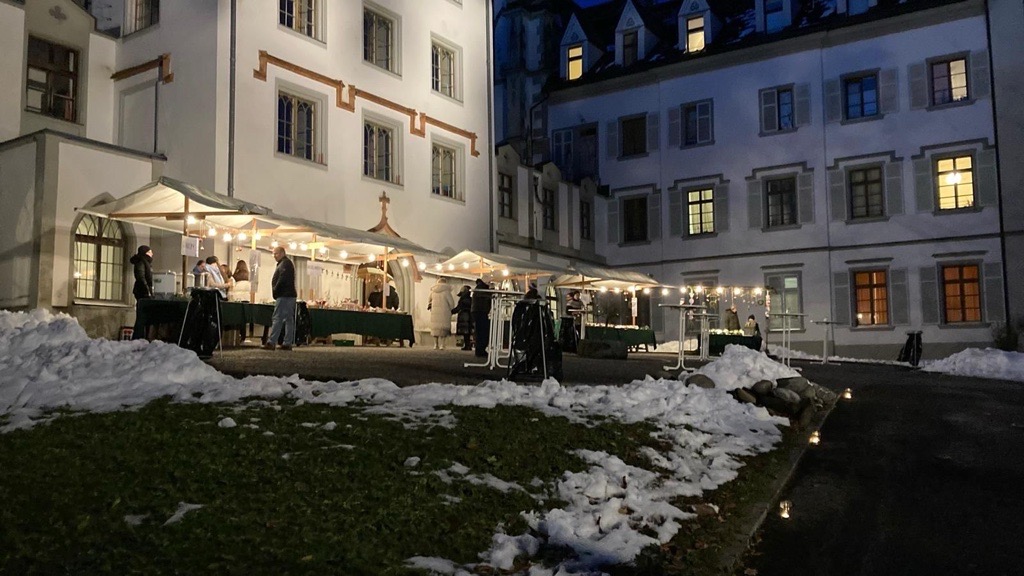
99	259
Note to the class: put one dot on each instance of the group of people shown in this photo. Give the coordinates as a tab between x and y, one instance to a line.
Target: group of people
472	311
234	286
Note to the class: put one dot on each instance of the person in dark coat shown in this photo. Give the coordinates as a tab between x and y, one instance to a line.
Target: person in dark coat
283	290
464	317
142	264
480	310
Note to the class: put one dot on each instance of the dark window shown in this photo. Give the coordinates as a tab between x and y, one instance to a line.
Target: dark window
442	70
99	259
301	16
701	210
378	149
866	199
548	208
444	178
774	18
872	297
505	198
378	40
561	152
52	84
861	96
296	127
962	293
140	14
697	127
634	135
629	48
949	81
777	110
781	201
585	153
634	219
586	217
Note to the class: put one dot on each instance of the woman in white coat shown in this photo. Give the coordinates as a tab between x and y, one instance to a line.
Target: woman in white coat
440	307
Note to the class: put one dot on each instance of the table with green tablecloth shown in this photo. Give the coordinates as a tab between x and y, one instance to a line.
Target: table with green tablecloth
632	337
718	342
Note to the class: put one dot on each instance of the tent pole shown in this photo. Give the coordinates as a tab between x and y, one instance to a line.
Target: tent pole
184	235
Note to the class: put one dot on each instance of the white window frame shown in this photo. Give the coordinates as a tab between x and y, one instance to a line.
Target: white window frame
111	265
312	28
954	178
949	77
396	131
438	47
140	15
703	227
394	45
318	154
707	116
446	151
768	103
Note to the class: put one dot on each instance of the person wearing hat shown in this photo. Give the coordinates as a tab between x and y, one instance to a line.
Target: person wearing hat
142	263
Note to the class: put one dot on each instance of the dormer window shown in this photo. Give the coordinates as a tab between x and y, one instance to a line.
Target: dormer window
574	62
629	48
774	16
695	33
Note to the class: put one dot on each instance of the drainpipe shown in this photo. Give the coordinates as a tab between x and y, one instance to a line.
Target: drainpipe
231	100
492	236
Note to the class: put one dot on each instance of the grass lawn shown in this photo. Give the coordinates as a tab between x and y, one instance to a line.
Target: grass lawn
310	499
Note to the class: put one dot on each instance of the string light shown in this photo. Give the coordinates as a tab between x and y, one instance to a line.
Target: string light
343	255
274	244
815	438
505	273
438	267
451	267
647	290
616	289
370	257
227	237
293	245
465	265
847	394
758	291
682	290
242	236
257	236
303	246
191	219
719	290
211	232
737	291
698	289
664	291
784	508
405	262
604	289
421	266
323	249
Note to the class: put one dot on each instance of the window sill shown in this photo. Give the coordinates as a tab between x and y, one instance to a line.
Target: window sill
965	326
509	218
777	132
780	228
138	33
380	181
317	41
102	304
867	219
697	145
301	161
702	235
947	105
862	119
452	99
394	73
952	211
56	118
436	196
873	328
634	156
634	243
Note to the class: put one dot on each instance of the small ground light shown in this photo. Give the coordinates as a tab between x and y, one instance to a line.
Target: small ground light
784	508
815	438
847	394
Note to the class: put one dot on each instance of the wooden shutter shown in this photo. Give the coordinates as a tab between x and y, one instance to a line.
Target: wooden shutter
980	86
674	127
929	295
837	194
917	75
769	111
805	196
653	136
985	178
802	95
894	188
612	138
994	309
613	220
841	300
889	91
654	217
755	207
924	187
675	213
833	101
722	207
899	297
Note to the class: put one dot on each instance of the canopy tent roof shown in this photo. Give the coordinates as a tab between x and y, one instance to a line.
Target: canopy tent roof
587	276
176	206
477	263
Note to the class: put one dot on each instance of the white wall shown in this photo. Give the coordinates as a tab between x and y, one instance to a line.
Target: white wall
17	222
12	66
100	112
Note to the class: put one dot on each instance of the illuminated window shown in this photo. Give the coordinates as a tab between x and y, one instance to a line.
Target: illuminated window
861	95
956	182
872	297
949	81
961	293
443	66
379	40
297	133
781	194
629	48
99	259
695	33
378	152
506	200
302	16
51	86
866	199
444	175
574	63
701	208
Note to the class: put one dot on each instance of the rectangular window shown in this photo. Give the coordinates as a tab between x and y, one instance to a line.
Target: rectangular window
443	67
861	96
634	135
697	123
378	152
586	220
378	40
506	200
955	182
774	17
444	176
785	299
872	296
701	209
302	16
561	151
866	198
777	110
629	48
574	62
548	208
51	87
961	293
781	195
695	33
634	219
140	14
949	81
297	127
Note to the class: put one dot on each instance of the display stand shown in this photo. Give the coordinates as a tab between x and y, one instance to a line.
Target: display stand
502	302
787	332
705	332
682	309
825	338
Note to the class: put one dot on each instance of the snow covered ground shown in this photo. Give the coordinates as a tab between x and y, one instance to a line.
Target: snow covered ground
47	362
987	363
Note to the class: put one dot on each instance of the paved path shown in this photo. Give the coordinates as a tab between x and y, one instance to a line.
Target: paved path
920	474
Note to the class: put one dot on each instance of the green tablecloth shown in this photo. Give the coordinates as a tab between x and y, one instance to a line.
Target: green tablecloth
631	336
718	342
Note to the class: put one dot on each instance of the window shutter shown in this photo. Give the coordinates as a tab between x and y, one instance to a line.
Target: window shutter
979	87
994	292
833	101
803	104
613	220
924	189
613	139
894	188
837	194
755	208
889	88
841	300
674	127
675	213
769	111
722	207
899	297
917	74
986	179
654	217
805	195
929	295
653	137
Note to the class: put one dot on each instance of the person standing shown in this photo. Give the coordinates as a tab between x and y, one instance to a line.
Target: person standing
732	321
216	277
481	310
283	290
464	317
142	263
440	307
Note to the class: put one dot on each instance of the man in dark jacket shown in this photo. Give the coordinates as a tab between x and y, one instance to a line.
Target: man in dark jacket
481	310
283	290
142	263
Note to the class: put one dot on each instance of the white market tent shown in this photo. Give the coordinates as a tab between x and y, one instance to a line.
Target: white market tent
477	263
596	277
